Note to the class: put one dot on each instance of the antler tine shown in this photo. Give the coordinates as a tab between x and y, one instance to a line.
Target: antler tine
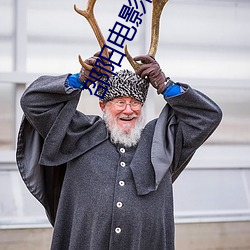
158	6
135	65
88	13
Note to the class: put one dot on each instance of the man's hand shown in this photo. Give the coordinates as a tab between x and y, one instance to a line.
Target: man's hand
84	73
151	69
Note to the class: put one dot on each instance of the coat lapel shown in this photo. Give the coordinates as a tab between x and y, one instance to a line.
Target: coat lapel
154	154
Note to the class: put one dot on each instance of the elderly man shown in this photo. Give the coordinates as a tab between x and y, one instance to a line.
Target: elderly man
107	183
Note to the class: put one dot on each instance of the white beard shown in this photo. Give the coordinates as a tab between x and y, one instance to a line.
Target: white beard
127	139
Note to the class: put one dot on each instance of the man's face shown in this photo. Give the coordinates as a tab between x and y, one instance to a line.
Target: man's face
126	118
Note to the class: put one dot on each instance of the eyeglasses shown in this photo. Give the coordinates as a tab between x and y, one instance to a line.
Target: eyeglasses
121	105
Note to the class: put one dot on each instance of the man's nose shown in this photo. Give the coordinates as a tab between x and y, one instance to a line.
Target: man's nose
128	110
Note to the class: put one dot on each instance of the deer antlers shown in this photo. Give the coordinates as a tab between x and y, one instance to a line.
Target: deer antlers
89	15
158	6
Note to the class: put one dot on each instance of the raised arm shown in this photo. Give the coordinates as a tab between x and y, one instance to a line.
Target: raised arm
47	96
44	99
197	116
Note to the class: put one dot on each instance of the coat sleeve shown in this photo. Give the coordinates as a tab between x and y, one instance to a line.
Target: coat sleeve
197	117
67	133
44	99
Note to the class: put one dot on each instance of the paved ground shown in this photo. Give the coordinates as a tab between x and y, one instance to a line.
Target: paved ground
201	236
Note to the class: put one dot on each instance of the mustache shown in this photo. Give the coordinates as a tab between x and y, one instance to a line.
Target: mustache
122	116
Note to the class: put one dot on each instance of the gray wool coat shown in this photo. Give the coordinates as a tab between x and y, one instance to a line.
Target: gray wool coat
99	195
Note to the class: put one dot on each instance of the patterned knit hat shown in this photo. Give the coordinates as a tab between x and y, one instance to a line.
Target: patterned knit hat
126	83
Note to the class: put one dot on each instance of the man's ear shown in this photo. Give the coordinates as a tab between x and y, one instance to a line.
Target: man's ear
102	105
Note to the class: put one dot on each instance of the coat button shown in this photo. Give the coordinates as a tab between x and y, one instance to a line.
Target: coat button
121	183
118	230
122	150
123	164
119	204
